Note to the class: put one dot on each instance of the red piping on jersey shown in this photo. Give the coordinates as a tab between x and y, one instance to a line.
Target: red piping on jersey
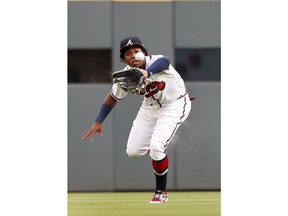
157	101
118	99
190	97
182	96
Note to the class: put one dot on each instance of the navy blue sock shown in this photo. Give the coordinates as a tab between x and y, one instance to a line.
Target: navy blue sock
161	172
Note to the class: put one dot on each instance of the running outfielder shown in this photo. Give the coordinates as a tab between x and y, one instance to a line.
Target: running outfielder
165	107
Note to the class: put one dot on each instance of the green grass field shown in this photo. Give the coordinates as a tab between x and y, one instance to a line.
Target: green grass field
136	203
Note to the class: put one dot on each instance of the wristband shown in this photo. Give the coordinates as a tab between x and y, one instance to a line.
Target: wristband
104	112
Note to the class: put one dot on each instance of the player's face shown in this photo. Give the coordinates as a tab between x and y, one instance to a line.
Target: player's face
129	57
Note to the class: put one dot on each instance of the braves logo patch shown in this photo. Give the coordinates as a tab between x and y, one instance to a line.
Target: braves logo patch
154	87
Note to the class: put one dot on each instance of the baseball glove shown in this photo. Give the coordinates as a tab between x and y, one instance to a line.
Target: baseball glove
131	80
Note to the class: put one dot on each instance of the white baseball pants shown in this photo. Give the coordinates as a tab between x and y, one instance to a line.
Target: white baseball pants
153	129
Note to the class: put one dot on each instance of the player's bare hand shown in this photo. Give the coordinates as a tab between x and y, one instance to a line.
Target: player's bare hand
95	128
145	73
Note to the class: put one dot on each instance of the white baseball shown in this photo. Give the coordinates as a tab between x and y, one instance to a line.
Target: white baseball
139	56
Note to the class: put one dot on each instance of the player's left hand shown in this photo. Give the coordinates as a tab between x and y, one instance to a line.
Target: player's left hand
144	72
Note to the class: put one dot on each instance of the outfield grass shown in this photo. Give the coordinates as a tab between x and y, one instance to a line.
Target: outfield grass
136	203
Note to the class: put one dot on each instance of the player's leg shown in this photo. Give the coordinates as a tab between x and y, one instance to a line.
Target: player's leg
164	133
138	143
160	162
169	120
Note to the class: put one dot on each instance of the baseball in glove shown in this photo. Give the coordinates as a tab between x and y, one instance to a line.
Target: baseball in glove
131	80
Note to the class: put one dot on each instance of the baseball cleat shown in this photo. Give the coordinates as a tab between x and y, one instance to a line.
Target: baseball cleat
159	197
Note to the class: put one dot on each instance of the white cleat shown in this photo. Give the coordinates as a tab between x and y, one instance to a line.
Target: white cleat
159	197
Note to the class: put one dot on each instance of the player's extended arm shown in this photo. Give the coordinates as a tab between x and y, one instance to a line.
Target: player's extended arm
96	127
158	66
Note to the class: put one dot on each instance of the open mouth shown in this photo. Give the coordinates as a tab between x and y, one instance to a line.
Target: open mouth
135	62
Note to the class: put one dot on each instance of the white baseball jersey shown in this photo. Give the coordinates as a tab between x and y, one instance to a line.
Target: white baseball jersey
161	88
165	107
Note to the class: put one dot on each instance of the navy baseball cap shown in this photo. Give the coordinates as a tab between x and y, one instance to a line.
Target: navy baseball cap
130	42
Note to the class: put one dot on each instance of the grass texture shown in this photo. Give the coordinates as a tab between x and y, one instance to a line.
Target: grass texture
137	203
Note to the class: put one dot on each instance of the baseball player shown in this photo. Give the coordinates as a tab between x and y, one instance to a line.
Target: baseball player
166	104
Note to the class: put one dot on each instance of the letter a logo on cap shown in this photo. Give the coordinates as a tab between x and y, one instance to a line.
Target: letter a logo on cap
129	42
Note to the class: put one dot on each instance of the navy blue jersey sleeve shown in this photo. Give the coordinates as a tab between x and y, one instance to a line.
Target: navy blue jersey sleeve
159	65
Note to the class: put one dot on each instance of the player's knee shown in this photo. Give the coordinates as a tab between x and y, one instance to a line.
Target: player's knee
133	153
157	155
